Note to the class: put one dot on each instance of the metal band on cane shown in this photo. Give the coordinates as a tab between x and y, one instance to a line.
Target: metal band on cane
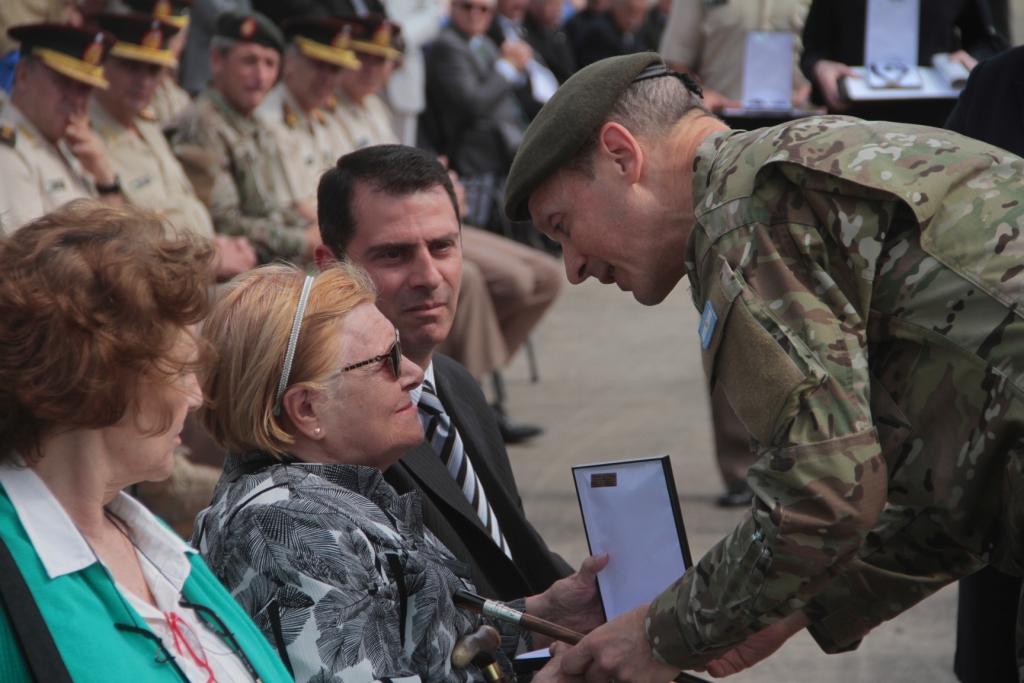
293	341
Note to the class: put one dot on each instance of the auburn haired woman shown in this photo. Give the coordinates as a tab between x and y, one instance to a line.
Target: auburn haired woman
97	316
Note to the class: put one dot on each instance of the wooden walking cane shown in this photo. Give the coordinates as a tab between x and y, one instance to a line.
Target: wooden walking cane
502	612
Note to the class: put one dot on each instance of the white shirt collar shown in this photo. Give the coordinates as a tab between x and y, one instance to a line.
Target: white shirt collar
417	391
60	545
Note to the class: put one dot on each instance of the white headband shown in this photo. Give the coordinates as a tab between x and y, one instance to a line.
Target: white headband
293	341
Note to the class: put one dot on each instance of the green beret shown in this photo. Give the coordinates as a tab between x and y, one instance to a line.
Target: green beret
251	27
566	122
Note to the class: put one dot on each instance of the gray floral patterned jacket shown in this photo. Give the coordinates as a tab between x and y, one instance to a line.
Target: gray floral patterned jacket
338	572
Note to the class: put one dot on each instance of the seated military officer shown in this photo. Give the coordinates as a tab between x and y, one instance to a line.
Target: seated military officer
48	154
170	100
310	141
363	115
151	177
220	138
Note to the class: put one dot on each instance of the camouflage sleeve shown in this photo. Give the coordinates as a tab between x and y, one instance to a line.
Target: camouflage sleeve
788	296
273	231
278	234
906	558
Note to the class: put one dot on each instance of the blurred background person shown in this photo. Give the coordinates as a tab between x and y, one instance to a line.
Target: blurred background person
989	109
421	22
578	25
707	40
617	31
48	153
194	69
361	112
150	175
170	100
833	41
539	83
542	28
308	137
304	529
98	308
233	150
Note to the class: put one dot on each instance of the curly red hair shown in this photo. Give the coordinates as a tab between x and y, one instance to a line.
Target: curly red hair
92	299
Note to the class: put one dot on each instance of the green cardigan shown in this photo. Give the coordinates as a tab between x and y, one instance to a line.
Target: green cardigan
81	609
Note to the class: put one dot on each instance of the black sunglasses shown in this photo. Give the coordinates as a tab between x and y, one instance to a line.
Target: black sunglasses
393	354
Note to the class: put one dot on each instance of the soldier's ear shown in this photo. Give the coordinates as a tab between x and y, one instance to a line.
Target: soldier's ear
619	146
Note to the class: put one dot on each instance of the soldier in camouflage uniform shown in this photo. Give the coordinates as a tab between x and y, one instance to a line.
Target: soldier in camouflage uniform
860	288
236	150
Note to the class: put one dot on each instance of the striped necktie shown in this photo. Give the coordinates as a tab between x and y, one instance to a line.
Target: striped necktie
445	439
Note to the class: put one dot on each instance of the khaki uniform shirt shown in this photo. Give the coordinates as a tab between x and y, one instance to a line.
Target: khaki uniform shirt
365	124
37	177
170	102
310	144
244	165
860	287
150	175
710	37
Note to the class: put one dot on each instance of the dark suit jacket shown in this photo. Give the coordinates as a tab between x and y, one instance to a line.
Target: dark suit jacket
991	106
603	38
553	46
449	515
474	116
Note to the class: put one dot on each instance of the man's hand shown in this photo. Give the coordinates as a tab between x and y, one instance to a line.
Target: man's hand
758	646
827	73
234	255
964	58
517	53
89	151
572	602
716	101
618	650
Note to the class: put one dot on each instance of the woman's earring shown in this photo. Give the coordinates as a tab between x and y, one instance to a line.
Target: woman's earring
316	431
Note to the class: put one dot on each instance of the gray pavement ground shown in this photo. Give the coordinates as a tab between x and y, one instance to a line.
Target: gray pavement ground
620	380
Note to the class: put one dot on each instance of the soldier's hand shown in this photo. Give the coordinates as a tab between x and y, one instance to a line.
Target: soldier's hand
827	73
89	150
234	255
618	650
572	602
757	647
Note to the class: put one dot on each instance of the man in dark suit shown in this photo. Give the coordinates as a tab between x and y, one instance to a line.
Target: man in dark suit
471	99
543	27
392	210
615	32
990	109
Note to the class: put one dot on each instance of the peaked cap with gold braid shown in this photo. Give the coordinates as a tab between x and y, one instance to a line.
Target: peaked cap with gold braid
73	52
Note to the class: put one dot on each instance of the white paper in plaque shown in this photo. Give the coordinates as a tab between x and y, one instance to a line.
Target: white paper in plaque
890	43
628	514
768	70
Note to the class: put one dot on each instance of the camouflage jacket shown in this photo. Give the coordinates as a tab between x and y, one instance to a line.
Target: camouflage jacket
245	163
860	289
